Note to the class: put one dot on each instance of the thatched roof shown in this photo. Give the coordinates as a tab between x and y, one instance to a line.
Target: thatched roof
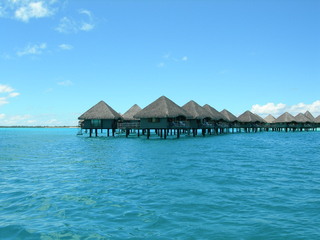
285	118
128	115
196	111
302	118
100	111
269	118
261	119
317	119
163	107
215	115
309	115
229	115
249	117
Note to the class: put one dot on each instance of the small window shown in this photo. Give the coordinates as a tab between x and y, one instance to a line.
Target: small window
96	123
154	120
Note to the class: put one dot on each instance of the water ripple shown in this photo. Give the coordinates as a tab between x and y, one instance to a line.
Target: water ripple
56	185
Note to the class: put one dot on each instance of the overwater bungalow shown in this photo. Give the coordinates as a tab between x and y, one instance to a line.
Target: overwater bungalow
229	116
220	122
260	118
285	118
250	121
128	122
304	122
163	114
233	120
269	119
199	117
100	116
317	121
310	116
128	115
164	117
301	118
285	121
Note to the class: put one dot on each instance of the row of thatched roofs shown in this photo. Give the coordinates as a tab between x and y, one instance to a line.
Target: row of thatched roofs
163	107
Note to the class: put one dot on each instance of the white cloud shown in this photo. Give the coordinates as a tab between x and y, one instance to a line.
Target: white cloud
86	12
17	120
30	120
67	26
65	83
35	49
70	25
86	27
5	89
14	94
6	92
3	101
269	108
2	11
185	58
277	109
65	46
32	10
20	117
24	10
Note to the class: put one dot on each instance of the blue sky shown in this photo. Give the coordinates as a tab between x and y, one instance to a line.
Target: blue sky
60	57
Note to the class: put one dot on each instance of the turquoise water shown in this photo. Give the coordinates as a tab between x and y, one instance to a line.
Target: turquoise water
56	185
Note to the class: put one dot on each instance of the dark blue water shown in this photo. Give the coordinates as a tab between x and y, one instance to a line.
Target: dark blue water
56	185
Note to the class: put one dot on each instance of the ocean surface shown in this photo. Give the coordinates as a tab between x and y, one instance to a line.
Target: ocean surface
57	185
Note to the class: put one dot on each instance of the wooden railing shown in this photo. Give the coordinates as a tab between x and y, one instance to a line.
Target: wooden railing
128	125
179	124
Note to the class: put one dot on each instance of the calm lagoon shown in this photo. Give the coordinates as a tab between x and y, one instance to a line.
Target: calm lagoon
57	185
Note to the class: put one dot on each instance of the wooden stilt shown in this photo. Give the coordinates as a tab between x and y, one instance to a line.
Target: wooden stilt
148	133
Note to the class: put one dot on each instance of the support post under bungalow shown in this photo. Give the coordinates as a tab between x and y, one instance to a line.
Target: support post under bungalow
165	134
90	132
96	130
204	132
148	133
178	133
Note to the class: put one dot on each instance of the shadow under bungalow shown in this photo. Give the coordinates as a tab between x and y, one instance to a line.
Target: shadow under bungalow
163	118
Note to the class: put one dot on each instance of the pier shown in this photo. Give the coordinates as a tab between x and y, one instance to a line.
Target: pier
163	118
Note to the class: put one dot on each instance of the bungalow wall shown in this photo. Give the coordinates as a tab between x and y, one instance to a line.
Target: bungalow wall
194	123
99	124
154	123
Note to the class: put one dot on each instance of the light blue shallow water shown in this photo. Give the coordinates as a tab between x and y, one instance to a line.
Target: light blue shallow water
56	185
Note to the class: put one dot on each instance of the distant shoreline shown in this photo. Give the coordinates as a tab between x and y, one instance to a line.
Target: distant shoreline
38	127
